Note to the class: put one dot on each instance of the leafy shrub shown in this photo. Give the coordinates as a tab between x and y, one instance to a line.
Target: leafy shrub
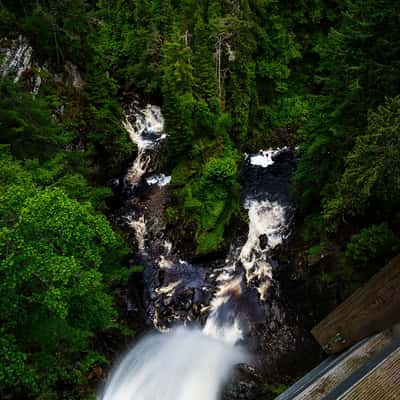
372	243
55	257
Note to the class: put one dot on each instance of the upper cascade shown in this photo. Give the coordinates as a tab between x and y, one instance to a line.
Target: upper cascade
146	129
265	158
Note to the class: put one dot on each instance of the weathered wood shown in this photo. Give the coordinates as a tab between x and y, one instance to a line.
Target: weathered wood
377	379
329	375
370	309
382	383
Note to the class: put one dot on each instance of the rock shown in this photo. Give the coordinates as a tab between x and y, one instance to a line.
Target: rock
17	57
74	78
263	241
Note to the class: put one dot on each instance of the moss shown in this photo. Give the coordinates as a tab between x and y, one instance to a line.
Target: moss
275	388
172	215
182	173
278	388
210	241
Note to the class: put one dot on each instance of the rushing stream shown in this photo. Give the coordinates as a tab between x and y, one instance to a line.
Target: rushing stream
218	306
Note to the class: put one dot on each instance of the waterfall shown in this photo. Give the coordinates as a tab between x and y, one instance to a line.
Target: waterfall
184	364
269	222
265	158
145	127
187	363
158	179
146	133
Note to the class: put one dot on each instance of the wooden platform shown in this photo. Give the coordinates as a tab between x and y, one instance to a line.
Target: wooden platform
371	309
382	383
369	370
377	379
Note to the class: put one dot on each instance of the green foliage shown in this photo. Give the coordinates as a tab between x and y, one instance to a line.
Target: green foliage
373	243
130	41
106	140
313	227
26	123
212	200
8	22
372	169
58	256
179	106
349	160
316	250
35	136
56	29
54	255
277	389
358	80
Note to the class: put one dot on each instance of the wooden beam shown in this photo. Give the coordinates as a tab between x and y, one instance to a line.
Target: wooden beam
370	309
380	382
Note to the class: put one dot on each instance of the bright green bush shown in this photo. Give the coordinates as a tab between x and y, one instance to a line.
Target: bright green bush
56	255
377	242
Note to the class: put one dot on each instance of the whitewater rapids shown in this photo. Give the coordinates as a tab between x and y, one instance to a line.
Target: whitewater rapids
183	364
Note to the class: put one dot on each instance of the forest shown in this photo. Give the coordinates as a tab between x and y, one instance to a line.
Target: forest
231	77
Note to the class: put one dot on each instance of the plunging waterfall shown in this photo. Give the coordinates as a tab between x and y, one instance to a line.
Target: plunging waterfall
184	364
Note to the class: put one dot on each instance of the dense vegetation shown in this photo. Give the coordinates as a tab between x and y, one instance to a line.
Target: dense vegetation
58	254
232	76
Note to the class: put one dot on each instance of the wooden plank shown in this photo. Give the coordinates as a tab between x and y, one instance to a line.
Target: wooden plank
370	309
382	383
338	374
377	379
347	366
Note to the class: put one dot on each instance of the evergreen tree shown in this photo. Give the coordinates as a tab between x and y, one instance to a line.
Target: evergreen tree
179	103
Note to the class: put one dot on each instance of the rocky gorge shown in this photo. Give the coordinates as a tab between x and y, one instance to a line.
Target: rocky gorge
236	299
187	188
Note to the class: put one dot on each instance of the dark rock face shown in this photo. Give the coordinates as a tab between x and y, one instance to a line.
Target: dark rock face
21	63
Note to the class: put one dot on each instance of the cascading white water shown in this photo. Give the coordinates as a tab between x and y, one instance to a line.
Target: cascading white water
158	179
146	134
139	227
264	158
183	364
267	219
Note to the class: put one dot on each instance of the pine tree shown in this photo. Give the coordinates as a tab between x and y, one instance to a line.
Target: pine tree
205	85
177	92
